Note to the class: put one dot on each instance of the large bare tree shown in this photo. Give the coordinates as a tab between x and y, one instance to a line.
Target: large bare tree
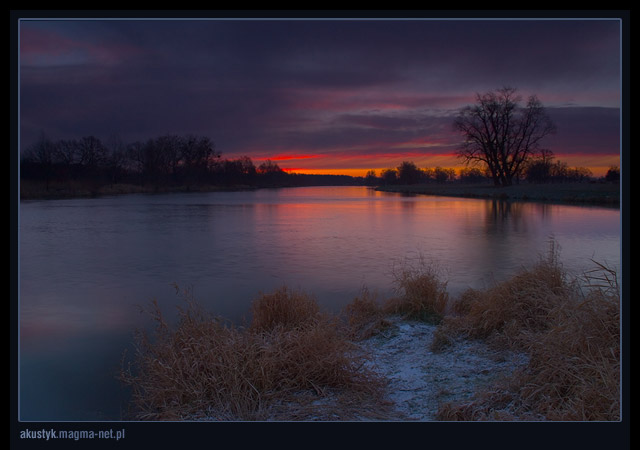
501	134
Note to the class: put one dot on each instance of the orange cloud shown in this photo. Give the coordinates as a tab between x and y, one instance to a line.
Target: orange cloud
360	164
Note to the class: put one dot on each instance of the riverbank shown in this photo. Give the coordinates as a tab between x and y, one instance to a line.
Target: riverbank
601	194
597	194
537	347
30	190
39	190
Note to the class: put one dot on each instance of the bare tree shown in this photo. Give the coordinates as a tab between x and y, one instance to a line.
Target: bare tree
198	156
42	156
501	134
268	167
116	158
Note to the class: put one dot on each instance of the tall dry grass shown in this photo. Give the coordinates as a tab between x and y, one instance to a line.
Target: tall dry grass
284	308
421	291
289	357
295	362
570	331
574	369
364	316
512	312
200	366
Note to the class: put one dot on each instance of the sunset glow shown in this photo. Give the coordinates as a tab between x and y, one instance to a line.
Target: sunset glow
330	97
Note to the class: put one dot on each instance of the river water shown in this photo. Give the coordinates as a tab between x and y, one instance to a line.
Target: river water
88	265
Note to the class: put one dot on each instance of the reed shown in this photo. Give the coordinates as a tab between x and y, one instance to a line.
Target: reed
570	331
364	317
296	362
284	308
513	312
204	369
421	291
574	369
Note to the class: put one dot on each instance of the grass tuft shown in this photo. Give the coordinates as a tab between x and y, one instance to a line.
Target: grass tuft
284	308
203	369
574	369
421	292
510	313
294	362
364	316
571	334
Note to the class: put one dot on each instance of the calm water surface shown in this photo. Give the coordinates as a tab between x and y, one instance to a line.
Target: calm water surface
87	265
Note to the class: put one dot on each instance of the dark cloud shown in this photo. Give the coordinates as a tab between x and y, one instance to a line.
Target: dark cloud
315	85
586	130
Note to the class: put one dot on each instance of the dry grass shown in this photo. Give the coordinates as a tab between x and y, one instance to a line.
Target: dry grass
571	333
364	316
574	370
289	357
421	292
284	308
294	362
513	312
201	365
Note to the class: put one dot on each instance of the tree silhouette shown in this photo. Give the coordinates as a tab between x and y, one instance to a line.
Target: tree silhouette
269	168
389	176
501	134
38	160
371	179
443	175
197	156
613	175
472	175
409	173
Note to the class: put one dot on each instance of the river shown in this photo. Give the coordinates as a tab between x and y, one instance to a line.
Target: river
88	265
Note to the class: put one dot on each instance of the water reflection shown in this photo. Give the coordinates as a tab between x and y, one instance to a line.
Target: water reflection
88	265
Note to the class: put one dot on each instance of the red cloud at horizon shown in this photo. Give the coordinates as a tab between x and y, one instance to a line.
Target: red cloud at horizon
290	157
358	164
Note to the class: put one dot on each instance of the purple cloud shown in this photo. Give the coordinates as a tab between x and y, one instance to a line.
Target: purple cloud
313	86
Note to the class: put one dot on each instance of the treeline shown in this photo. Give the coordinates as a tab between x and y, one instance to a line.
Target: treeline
409	173
538	171
162	162
547	171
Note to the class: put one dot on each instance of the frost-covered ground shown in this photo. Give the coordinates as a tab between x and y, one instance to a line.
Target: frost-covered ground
420	380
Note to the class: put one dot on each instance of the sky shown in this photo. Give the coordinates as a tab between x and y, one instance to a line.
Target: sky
319	96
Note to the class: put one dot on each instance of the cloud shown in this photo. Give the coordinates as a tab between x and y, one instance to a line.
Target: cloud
313	87
583	130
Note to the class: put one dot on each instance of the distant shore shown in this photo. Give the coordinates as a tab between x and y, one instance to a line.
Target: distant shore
38	190
602	194
56	191
605	194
